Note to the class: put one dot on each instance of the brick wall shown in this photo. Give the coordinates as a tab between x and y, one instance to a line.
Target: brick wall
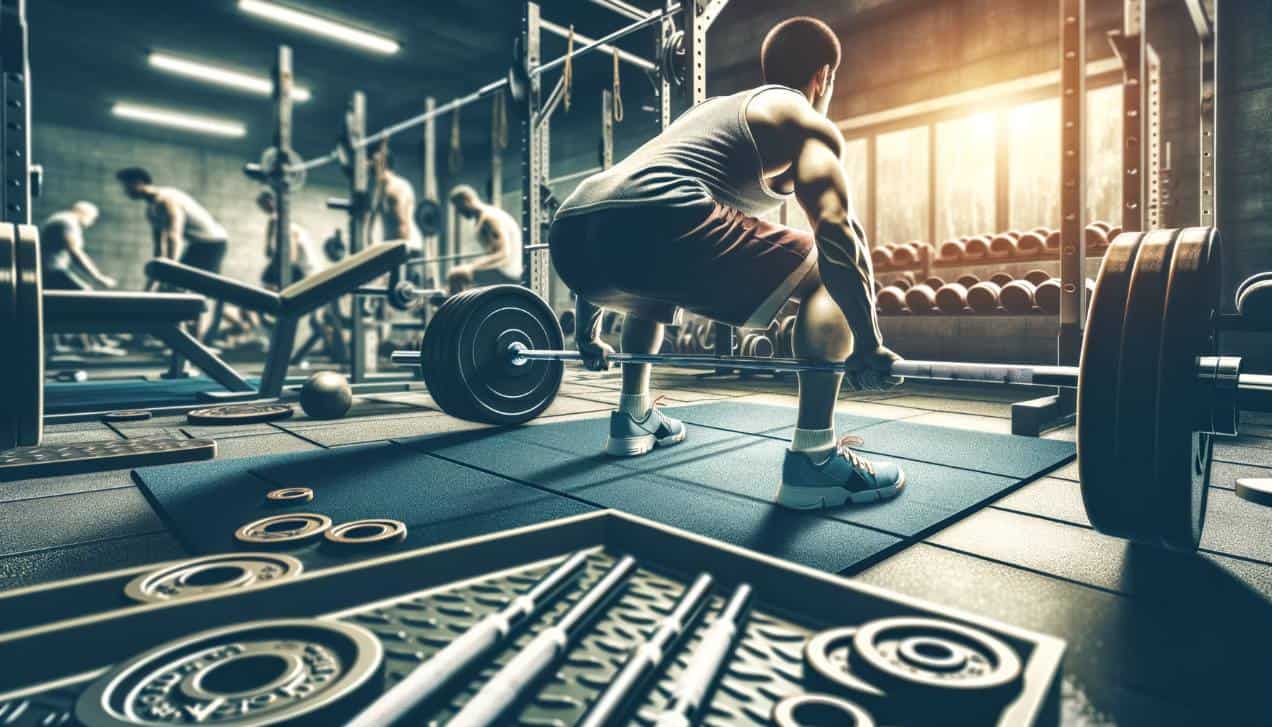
81	164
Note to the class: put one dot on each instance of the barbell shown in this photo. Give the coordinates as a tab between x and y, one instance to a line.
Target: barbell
1152	388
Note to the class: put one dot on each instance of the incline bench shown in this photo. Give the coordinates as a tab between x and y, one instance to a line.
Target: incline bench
288	306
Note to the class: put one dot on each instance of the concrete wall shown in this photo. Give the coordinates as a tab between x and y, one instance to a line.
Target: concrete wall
80	163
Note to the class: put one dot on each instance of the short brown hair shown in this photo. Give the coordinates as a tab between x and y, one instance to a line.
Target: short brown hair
796	49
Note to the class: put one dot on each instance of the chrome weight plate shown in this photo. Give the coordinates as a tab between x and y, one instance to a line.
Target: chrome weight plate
289	495
815	710
827	657
367	532
248	675
211	574
127	415
935	661
293	528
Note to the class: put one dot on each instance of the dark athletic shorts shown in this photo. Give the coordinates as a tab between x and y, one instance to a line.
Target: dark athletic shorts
707	258
204	254
59	279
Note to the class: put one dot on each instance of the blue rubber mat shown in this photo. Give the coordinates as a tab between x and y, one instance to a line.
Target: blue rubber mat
61	397
438	500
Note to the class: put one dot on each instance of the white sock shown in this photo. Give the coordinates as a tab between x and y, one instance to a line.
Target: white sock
635	405
813	440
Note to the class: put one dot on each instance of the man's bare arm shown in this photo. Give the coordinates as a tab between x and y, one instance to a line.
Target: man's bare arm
844	253
75	246
174	234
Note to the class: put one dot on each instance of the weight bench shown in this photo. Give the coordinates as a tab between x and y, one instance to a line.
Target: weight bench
288	306
161	315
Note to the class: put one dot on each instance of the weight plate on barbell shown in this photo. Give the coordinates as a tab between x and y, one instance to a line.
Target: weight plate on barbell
239	414
1138	370
298	671
290	529
211	574
1105	492
935	662
378	531
9	381
27	348
465	355
428	217
293	172
1192	304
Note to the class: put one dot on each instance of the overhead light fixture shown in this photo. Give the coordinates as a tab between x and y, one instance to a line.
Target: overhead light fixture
222	76
179	120
320	26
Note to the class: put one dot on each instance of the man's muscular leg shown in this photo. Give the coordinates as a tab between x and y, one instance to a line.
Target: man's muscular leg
821	334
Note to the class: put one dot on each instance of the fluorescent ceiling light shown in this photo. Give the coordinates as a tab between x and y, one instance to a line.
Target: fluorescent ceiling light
320	26
222	76
178	120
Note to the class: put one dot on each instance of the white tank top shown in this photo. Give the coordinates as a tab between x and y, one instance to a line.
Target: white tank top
511	230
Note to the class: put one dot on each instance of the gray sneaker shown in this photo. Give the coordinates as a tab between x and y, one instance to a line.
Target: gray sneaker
837	477
631	437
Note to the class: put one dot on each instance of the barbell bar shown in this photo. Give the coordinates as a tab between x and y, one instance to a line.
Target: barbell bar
1253	391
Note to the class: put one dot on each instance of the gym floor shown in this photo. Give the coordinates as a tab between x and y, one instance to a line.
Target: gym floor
1140	651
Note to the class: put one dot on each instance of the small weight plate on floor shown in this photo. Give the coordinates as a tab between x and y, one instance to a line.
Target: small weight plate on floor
1255	489
814	710
941	664
27	347
367	532
827	657
211	574
289	495
290	529
127	415
1182	459
297	671
9	381
239	414
1103	480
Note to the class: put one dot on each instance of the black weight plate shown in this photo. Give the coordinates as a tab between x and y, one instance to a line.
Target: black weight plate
827	657
8	332
1104	491
239	414
211	574
1138	379
806	710
379	531
936	662
440	375
27	368
497	390
1188	331
295	671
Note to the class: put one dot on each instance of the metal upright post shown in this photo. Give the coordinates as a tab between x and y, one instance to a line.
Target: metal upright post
283	82
531	153
1002	172
1209	138
607	129
1032	417
1132	46
362	356
15	114
433	244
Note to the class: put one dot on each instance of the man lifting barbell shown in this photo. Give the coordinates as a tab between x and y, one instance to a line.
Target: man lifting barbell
499	235
677	225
